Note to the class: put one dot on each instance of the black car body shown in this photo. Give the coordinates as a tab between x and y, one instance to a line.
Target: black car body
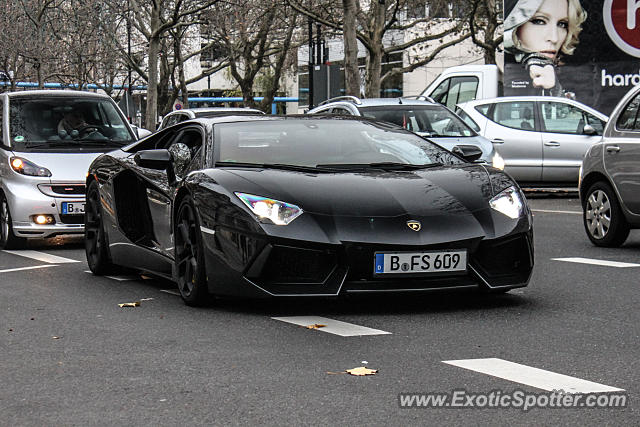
189	213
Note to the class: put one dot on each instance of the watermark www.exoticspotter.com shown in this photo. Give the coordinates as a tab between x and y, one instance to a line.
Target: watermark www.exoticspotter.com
518	399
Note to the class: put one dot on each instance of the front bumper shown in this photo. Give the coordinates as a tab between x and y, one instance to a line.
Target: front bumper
280	268
41	197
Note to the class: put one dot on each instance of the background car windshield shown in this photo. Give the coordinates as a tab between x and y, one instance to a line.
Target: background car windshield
40	123
435	121
310	142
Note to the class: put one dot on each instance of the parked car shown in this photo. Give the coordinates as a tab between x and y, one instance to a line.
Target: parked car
191	113
305	206
420	115
541	139
48	140
610	177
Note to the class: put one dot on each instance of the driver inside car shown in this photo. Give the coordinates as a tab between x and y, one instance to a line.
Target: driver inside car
74	126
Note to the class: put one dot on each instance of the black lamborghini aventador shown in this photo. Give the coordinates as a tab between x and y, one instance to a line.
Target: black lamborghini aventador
305	206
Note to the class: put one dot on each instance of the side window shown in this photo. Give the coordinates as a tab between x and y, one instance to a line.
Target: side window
182	118
468	120
595	122
170	121
558	117
462	89
628	120
184	148
517	115
484	110
324	112
341	111
441	92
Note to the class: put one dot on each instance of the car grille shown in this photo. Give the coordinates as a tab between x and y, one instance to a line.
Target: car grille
68	189
503	262
288	265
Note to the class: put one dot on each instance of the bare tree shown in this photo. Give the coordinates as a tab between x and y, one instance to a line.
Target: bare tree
349	25
257	38
377	18
485	26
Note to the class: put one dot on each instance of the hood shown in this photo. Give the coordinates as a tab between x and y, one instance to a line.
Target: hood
64	167
428	192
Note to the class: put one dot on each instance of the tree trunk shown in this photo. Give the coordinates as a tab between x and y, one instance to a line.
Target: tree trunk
152	83
376	51
351	71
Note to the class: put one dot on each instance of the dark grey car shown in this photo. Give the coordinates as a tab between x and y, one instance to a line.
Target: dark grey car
610	177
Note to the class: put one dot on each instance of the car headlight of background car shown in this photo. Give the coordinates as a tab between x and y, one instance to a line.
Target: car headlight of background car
270	210
508	202
497	161
25	167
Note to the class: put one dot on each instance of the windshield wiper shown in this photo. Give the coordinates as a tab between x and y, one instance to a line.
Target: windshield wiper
281	166
387	166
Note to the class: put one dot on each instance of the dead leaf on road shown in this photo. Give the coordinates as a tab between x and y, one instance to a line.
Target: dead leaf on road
56	337
314	326
361	371
130	304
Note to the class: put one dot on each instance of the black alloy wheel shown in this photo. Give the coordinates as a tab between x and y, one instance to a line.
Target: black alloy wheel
603	219
8	240
95	242
189	256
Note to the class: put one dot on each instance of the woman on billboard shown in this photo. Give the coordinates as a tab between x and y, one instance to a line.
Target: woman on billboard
537	33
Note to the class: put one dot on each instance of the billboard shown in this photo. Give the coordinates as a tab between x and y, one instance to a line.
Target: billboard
583	49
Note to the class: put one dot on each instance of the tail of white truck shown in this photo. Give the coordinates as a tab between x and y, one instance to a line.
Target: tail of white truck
465	83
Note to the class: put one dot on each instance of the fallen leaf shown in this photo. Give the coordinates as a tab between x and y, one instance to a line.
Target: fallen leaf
10	329
56	337
314	326
130	304
361	371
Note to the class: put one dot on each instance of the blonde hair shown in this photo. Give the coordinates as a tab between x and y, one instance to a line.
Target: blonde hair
577	15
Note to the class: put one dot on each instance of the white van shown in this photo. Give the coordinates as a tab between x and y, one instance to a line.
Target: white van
465	83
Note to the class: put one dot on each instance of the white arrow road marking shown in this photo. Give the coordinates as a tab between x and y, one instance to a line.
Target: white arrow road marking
336	327
534	377
9	270
597	262
43	257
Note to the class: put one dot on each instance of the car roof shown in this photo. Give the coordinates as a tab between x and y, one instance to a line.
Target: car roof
370	102
257	117
534	98
46	93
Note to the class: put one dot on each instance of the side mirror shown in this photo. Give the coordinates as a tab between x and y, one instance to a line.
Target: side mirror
589	130
470	153
154	159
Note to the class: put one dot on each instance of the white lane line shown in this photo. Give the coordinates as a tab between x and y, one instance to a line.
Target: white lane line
534	377
597	262
336	327
170	291
558	212
9	270
118	278
41	256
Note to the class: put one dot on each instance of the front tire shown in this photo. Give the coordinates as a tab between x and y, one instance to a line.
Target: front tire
189	256
602	216
8	240
95	242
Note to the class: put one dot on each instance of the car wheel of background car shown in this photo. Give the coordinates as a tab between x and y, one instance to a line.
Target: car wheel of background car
604	221
95	242
8	240
189	256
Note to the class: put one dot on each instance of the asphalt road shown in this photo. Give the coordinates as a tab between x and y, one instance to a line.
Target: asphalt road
69	355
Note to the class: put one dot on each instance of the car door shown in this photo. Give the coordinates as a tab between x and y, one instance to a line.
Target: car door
184	146
563	140
622	155
513	130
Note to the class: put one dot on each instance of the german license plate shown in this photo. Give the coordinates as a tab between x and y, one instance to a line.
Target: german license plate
69	208
420	262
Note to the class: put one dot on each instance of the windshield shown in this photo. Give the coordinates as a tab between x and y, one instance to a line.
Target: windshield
324	141
66	122
435	121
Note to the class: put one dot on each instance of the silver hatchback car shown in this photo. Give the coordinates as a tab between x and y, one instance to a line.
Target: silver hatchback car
541	138
48	139
610	177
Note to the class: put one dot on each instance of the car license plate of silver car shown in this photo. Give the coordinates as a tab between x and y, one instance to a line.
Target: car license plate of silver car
420	262
71	208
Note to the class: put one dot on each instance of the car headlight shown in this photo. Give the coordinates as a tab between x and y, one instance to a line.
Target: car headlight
508	202
274	211
497	161
25	167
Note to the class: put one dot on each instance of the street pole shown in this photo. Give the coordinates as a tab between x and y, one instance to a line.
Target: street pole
310	22
127	93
